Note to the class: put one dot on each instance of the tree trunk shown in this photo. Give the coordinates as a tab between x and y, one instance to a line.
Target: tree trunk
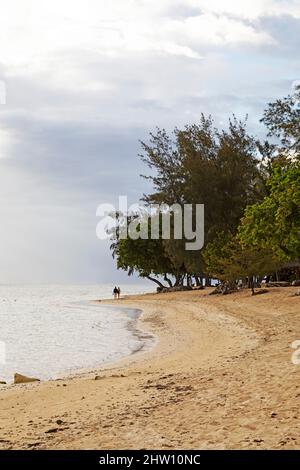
168	280
156	281
178	281
251	284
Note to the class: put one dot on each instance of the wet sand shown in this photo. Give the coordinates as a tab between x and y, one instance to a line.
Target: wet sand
220	376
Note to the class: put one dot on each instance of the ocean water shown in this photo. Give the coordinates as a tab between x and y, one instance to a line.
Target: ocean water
53	331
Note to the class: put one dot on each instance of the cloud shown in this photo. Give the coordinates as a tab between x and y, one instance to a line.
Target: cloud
285	29
52	181
32	31
248	9
211	29
86	80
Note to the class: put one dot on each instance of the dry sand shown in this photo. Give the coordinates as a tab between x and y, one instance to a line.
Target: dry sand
219	377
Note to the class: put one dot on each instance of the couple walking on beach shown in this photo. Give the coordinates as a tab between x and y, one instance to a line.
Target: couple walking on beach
116	292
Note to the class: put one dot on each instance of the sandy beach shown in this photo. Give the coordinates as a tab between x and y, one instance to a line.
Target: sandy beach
220	376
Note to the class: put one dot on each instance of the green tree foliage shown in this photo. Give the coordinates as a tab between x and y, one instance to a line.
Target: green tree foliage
274	223
184	262
229	260
146	257
214	254
195	165
201	165
282	118
154	258
250	190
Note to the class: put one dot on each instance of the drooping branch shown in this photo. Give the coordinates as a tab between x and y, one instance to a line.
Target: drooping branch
168	280
156	281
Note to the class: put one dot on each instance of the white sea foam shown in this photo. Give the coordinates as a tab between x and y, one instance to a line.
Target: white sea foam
52	331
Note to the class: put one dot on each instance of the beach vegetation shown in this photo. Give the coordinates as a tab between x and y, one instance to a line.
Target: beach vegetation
250	190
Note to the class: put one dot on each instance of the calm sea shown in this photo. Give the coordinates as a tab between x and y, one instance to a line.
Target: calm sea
52	331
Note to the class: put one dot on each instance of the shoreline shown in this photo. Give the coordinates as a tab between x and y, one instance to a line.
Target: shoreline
147	341
212	380
132	326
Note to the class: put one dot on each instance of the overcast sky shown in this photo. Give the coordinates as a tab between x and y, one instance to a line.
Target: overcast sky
85	80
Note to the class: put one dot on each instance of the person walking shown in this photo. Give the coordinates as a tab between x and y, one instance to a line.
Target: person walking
115	292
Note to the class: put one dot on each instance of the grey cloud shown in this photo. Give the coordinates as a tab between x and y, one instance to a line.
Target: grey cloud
76	146
285	30
67	154
181	10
